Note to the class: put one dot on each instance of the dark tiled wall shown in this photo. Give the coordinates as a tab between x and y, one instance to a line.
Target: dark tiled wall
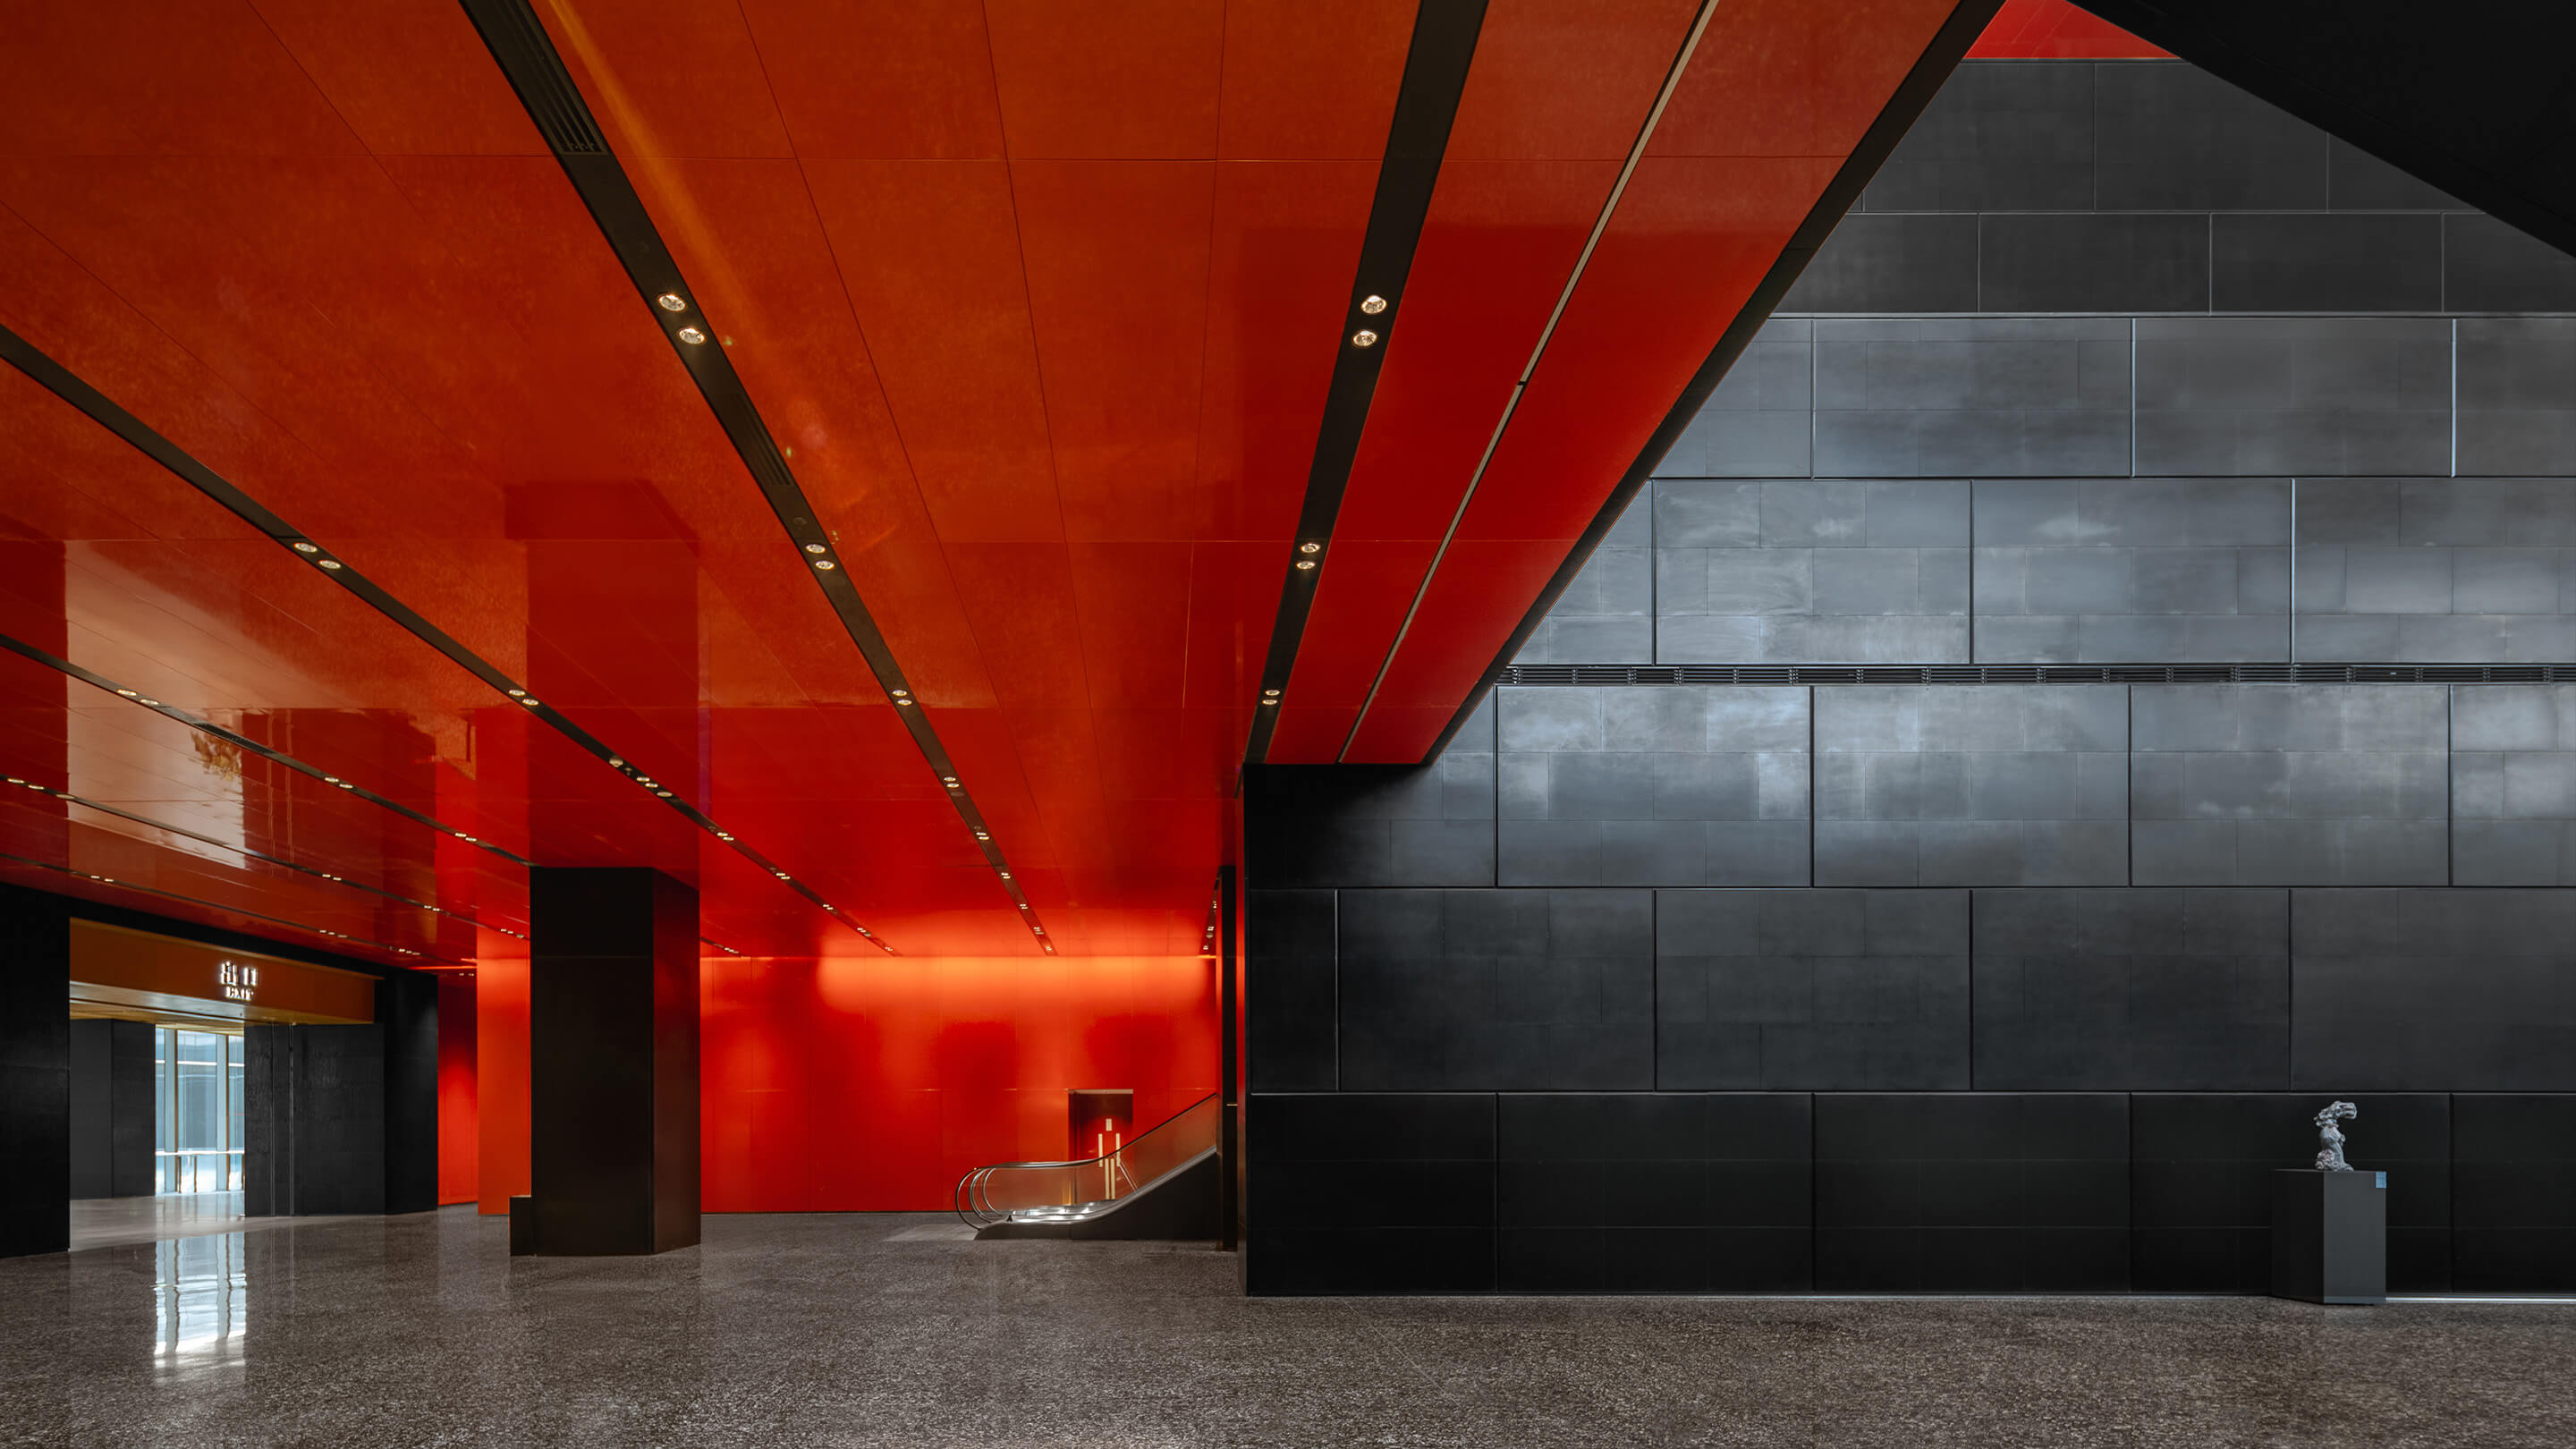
1993	988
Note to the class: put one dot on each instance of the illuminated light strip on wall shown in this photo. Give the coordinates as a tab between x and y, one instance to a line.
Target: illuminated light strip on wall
62	383
1426	103
719	945
243	742
280	861
1904	105
1529	369
127	885
527	56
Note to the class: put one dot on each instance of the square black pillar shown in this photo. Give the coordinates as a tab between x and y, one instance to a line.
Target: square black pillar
2330	1235
35	1073
612	1061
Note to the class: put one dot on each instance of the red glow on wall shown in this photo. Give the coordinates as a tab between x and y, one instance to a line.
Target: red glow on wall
501	1071
459	1133
872	1085
2056	30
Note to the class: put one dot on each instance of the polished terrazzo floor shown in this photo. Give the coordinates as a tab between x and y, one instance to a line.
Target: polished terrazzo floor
895	1330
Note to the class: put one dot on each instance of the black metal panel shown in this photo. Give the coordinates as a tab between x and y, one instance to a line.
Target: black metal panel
1972	1192
111	1118
2513	1194
1655	1193
2480	102
1369	1193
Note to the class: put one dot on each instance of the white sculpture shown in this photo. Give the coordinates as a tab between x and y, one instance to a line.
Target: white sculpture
2330	1137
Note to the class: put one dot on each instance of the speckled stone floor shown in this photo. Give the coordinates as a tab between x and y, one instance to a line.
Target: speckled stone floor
893	1330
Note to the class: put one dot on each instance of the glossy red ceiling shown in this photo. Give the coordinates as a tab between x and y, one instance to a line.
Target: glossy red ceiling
1042	298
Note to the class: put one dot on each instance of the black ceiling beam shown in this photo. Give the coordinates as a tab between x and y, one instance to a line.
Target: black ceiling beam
1426	104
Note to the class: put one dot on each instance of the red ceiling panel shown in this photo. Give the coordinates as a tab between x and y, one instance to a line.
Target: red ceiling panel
1777	93
929	77
1042	301
1123	79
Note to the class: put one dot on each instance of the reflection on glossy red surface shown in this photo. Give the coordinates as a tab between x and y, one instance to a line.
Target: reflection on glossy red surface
1041	299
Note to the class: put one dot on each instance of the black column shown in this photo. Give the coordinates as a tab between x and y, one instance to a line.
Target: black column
1229	998
613	1061
407	1011
35	1074
111	1109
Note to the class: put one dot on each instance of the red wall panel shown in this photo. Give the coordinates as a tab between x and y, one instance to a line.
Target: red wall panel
459	1133
501	1075
872	1085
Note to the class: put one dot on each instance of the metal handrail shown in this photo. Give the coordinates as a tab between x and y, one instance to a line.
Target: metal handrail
970	1197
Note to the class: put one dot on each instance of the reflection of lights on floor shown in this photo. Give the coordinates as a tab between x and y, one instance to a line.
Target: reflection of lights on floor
201	1300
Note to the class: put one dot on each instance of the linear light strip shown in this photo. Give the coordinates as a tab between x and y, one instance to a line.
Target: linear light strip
1436	63
527	56
122	813
1939	57
1511	404
240	741
127	885
64	384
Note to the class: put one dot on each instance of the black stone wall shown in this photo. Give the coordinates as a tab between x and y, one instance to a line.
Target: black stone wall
344	1119
1996	988
111	1109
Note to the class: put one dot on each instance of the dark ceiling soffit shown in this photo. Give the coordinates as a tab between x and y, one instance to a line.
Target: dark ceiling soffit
521	47
1435	75
1912	94
2478	100
239	741
103	410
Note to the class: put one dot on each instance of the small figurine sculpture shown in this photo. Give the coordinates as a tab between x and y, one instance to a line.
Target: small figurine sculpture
2330	1137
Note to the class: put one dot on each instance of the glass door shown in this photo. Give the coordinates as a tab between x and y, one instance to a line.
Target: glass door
197	1110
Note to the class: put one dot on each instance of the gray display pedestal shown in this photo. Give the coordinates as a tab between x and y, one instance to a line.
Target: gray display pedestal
2330	1236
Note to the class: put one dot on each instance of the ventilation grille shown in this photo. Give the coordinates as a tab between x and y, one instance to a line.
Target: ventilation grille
518	41
1618	674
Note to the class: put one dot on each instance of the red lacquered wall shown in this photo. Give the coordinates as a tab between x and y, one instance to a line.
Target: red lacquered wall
871	1085
2056	30
501	1068
459	1132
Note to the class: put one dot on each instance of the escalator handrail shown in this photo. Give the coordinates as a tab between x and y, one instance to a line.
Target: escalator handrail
969	1197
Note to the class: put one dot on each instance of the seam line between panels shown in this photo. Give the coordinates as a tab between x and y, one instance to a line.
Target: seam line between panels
527	57
105	411
1520	387
1436	64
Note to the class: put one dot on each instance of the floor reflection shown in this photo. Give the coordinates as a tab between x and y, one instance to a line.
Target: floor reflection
201	1302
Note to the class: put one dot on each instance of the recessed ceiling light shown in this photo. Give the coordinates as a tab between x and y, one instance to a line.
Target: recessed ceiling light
1310	548
345	785
330	563
1364	338
1006	875
1305	563
1372	304
825	564
692	336
530	703
900	693
516	693
330	779
129	694
673	302
613	760
303	547
665	794
147	701
816	548
1274	694
1270	701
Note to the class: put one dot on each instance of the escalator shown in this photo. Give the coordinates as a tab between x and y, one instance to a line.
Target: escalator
1163	1184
